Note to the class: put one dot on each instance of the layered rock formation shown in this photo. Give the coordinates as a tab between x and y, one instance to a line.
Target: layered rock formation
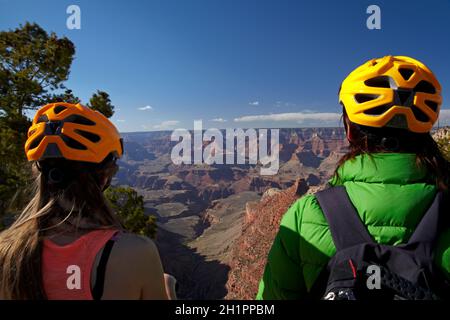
250	251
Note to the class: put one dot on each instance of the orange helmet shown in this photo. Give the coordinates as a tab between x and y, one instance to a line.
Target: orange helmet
393	91
72	132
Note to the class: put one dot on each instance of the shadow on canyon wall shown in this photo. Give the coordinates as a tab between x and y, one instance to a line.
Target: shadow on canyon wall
197	277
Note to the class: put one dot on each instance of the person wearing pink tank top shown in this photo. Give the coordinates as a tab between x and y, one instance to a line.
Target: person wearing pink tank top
68	243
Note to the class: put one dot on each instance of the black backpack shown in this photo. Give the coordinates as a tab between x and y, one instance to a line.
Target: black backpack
363	269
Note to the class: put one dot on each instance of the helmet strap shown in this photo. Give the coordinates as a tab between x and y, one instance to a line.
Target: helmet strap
108	183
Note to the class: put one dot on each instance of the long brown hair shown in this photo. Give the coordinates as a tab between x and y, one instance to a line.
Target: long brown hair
63	191
368	140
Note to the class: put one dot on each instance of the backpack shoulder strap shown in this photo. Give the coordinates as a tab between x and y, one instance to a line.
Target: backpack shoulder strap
346	227
428	228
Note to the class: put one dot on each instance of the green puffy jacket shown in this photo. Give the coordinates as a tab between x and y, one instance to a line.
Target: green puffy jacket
390	193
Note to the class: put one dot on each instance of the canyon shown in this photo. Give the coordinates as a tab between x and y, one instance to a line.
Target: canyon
208	215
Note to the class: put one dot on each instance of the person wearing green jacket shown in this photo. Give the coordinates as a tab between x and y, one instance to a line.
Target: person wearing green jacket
391	173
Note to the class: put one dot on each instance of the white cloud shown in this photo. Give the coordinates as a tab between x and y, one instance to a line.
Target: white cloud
316	118
166	124
146	108
218	120
254	103
120	120
292	116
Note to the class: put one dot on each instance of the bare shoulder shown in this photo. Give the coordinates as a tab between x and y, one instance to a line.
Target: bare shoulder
134	240
134	258
134	269
131	245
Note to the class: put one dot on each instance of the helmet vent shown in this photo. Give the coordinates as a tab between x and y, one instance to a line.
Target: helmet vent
72	143
425	86
403	97
377	111
406	73
364	97
433	105
75	118
52	151
36	142
42	118
419	114
53	128
398	121
59	109
88	135
378	82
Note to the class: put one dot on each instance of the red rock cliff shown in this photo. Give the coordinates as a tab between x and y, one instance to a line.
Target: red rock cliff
250	251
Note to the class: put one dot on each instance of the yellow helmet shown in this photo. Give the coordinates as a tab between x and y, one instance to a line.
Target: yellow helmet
393	91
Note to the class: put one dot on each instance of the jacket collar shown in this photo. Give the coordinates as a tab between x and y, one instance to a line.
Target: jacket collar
393	168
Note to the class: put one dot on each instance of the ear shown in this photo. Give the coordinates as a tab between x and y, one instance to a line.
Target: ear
349	129
348	132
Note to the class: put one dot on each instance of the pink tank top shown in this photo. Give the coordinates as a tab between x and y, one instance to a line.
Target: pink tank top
66	270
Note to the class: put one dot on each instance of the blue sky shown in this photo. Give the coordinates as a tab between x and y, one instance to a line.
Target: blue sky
228	59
